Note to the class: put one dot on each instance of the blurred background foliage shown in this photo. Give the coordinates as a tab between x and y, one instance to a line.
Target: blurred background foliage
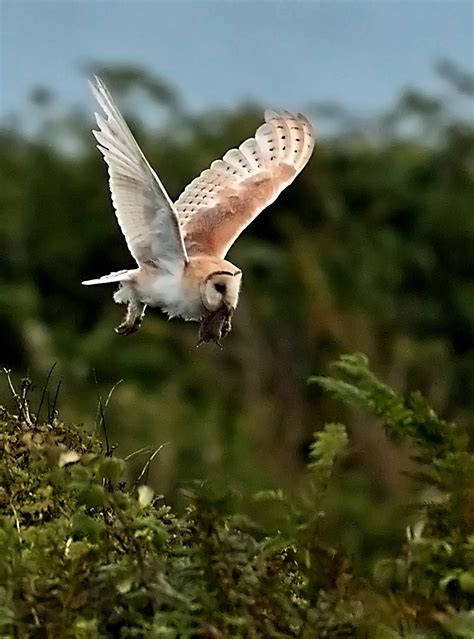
372	250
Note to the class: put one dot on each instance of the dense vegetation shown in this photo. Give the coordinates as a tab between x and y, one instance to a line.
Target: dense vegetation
370	250
84	554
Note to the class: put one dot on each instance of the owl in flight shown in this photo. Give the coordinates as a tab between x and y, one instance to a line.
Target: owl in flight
180	248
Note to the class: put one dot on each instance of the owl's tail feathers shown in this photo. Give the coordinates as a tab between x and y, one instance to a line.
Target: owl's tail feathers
117	276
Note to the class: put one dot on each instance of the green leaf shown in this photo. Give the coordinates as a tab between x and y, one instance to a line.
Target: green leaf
92	496
112	468
328	444
87	527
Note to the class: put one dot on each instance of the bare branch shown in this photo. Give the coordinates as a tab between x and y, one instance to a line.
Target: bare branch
43	393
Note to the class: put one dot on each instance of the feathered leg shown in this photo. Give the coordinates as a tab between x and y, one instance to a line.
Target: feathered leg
133	318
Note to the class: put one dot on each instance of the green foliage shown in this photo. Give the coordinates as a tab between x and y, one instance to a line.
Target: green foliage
404	418
369	249
327	445
437	567
84	553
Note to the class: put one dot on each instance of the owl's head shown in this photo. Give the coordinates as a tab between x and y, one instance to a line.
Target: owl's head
221	288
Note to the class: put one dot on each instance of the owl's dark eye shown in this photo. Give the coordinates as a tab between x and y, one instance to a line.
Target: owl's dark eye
220	288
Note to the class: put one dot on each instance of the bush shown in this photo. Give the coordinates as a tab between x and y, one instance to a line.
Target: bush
84	553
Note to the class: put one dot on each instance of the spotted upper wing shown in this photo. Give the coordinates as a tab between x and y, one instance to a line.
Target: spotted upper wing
218	205
144	210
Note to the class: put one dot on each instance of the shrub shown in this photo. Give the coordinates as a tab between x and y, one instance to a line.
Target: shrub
84	553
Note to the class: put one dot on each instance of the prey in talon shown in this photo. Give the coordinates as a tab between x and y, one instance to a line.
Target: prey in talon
216	326
180	248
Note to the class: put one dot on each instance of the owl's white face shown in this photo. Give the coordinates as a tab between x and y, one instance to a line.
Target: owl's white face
221	287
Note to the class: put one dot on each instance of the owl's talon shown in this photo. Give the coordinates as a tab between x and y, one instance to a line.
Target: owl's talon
205	341
126	329
132	320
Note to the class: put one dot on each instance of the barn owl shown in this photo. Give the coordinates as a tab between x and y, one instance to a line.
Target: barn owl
180	248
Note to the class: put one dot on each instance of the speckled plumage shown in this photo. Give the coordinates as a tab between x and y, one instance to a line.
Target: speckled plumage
180	248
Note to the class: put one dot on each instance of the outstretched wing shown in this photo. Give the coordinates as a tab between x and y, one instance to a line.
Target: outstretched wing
218	205
144	210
